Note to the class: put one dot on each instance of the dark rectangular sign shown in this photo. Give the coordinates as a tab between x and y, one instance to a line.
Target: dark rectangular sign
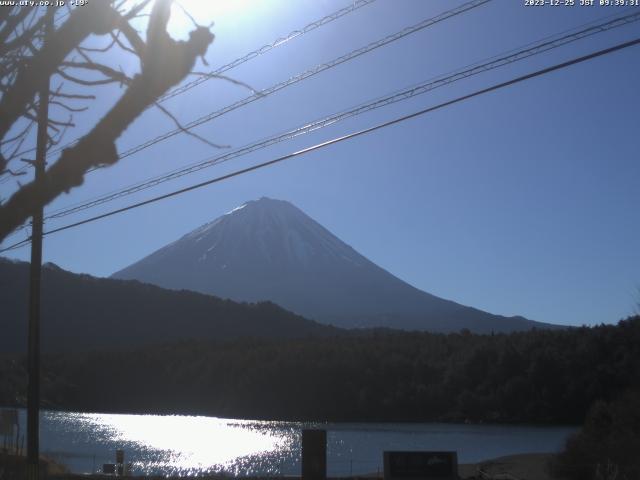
420	465
109	468
314	454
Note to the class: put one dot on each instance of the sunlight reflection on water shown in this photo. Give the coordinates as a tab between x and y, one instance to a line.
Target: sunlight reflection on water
183	444
200	442
190	445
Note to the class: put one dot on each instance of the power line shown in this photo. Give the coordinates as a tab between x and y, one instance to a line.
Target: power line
307	74
402	95
270	46
300	77
349	136
17	245
356	5
295	79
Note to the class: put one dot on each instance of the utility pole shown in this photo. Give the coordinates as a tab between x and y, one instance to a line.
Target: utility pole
33	352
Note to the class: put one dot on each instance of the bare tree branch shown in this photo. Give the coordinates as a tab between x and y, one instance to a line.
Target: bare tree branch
81	49
110	73
228	79
165	63
96	17
136	9
23	132
86	83
73	96
12	22
26	35
67	107
116	40
133	37
12	173
186	130
52	123
189	16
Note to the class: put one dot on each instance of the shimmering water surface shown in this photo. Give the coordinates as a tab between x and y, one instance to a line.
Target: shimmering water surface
190	445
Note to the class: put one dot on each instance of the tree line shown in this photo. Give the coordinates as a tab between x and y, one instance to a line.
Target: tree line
539	376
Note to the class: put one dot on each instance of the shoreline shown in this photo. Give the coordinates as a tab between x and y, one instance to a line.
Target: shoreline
442	421
510	467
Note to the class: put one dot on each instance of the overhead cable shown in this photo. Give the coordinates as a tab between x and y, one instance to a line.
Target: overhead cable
396	97
349	136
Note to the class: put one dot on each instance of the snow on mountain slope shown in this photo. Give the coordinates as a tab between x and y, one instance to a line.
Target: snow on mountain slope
270	250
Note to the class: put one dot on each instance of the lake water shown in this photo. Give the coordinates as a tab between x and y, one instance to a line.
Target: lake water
190	445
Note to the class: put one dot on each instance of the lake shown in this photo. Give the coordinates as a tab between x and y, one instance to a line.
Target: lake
192	444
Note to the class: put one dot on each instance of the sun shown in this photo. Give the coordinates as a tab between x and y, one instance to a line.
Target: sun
204	12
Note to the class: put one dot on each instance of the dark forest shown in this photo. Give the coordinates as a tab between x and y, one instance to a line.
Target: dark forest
533	377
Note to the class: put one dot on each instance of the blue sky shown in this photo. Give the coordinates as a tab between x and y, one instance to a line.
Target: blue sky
522	201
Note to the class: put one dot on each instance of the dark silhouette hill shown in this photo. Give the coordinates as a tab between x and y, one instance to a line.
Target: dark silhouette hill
538	376
81	312
270	250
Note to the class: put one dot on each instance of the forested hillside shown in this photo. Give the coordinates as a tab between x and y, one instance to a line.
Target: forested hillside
538	376
80	312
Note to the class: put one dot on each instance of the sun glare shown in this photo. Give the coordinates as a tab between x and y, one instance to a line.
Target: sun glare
205	12
190	443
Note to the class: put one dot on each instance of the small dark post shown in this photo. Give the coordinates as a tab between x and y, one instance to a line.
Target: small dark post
314	455
33	352
119	455
17	436
120	461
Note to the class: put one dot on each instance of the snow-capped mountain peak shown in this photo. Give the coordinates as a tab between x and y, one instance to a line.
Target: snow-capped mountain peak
268	249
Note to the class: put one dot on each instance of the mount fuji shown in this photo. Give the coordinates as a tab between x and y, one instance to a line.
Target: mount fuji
270	250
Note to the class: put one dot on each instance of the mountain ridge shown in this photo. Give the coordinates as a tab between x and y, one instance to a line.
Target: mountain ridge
269	249
82	312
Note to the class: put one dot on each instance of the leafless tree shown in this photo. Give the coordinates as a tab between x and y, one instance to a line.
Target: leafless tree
29	53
